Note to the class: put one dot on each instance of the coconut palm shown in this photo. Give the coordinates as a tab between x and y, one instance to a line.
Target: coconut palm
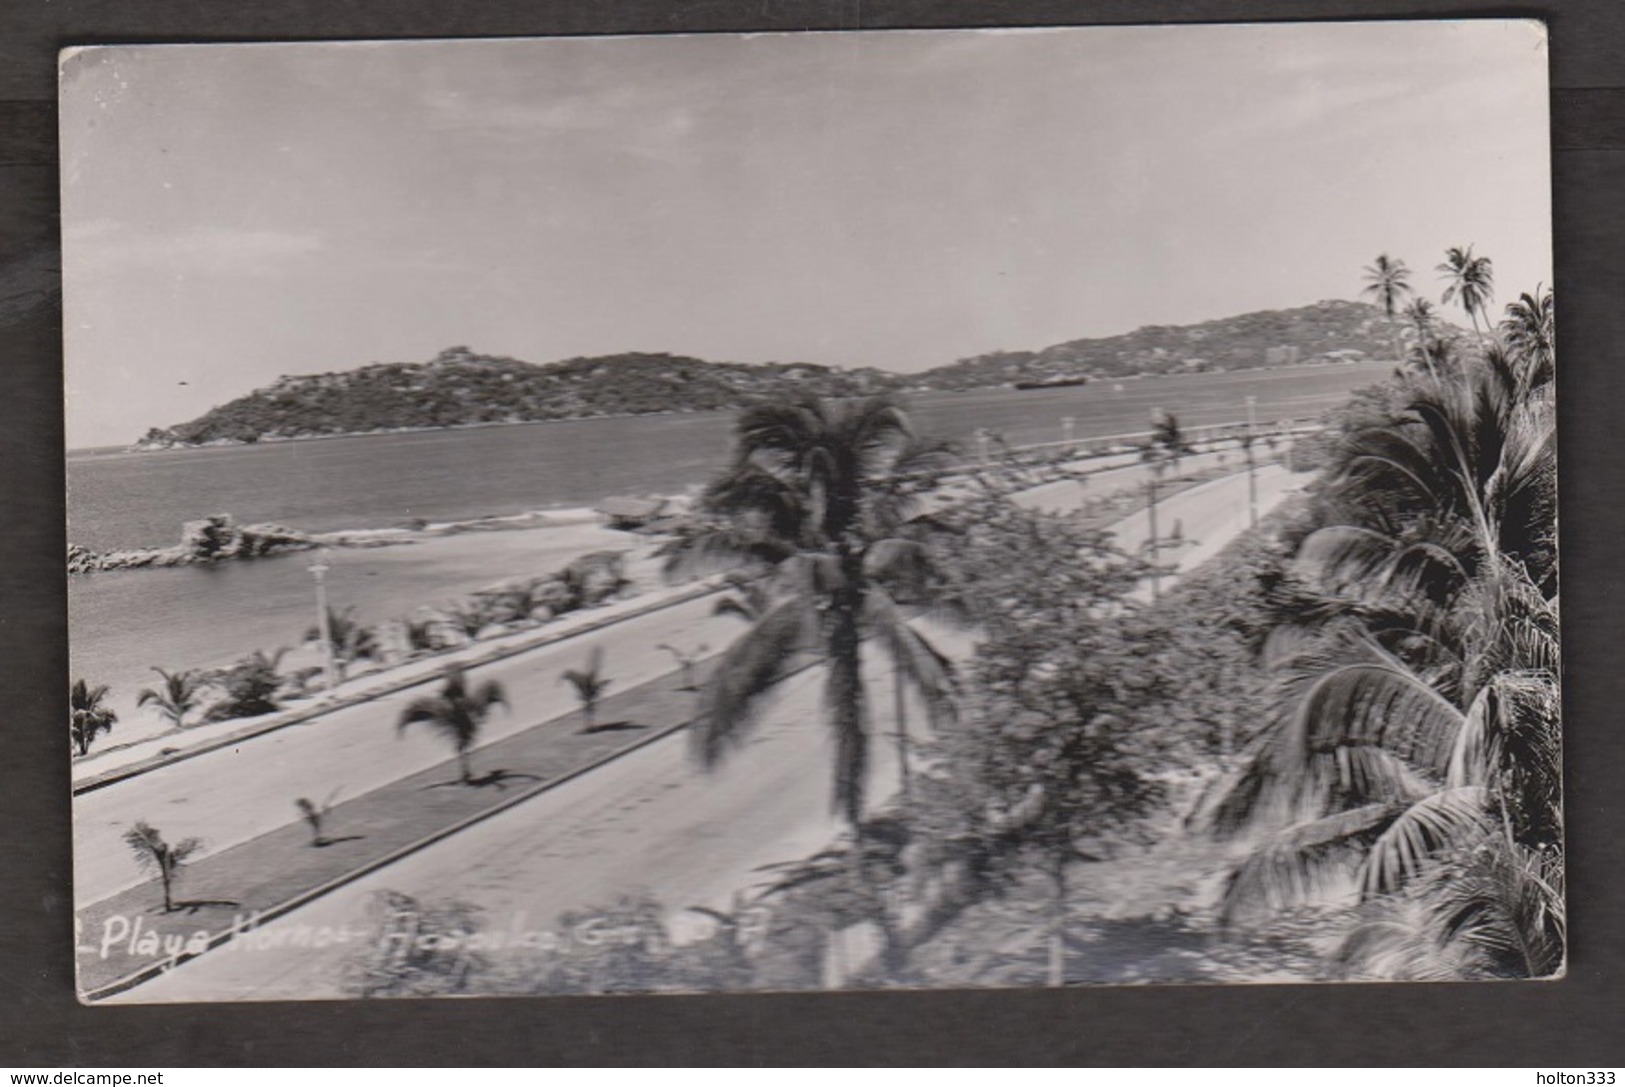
1530	333
1471	279
1419	312
154	854
457	712
1388	282
819	494
87	717
178	695
1163	451
589	683
351	641
1417	740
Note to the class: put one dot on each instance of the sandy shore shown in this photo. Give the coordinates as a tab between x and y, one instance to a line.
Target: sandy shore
124	623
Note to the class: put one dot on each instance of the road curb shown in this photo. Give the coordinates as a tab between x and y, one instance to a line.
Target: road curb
305	897
372	694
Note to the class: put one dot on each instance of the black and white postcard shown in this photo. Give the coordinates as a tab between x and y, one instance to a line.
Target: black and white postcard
903	509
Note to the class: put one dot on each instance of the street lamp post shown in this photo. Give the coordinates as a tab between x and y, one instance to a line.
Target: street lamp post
318	570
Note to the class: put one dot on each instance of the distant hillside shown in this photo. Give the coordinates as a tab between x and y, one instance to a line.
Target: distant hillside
1267	338
461	388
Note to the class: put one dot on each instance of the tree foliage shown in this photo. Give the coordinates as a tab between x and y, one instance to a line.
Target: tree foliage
87	716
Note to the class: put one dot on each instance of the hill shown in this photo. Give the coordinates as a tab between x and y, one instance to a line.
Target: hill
1316	333
461	388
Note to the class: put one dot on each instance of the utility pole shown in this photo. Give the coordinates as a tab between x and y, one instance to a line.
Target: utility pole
1252	473
318	570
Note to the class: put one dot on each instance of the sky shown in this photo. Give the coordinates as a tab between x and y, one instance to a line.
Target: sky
899	199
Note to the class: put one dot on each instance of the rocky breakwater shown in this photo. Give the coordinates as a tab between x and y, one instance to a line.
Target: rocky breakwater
216	538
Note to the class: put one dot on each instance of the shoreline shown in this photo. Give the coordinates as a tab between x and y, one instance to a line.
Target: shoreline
295	541
136	448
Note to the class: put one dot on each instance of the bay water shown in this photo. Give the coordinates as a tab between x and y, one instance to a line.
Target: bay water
123	622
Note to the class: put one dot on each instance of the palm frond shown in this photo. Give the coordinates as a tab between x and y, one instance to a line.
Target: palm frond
1450	819
927	669
1303	861
430	708
748	671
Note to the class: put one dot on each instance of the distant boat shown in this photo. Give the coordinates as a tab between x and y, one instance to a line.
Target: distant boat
1052	383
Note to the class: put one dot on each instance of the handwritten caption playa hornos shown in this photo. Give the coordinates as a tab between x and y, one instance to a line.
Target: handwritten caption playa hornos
396	931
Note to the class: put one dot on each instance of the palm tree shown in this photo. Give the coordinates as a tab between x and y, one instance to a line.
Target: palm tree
350	640
468	617
1388	282
1471	279
418	634
156	855
1165	448
251	686
178	694
819	494
457	713
1428	348
315	814
1529	331
589	683
1418	733
1419	312
87	717
686	661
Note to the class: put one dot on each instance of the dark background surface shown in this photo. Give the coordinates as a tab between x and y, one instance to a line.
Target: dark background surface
1575	1023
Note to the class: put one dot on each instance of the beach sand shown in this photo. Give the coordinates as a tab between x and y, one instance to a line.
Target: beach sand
125	622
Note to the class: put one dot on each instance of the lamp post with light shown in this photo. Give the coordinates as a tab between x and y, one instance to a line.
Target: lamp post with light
318	570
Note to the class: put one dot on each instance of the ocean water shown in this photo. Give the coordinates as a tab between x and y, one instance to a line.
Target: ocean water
122	623
123	499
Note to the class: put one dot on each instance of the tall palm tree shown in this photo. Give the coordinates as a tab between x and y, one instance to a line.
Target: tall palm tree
813	495
589	683
156	855
1418	729
1163	451
178	695
1529	331
87	717
1428	349
1388	282
1470	279
1419	312
457	713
